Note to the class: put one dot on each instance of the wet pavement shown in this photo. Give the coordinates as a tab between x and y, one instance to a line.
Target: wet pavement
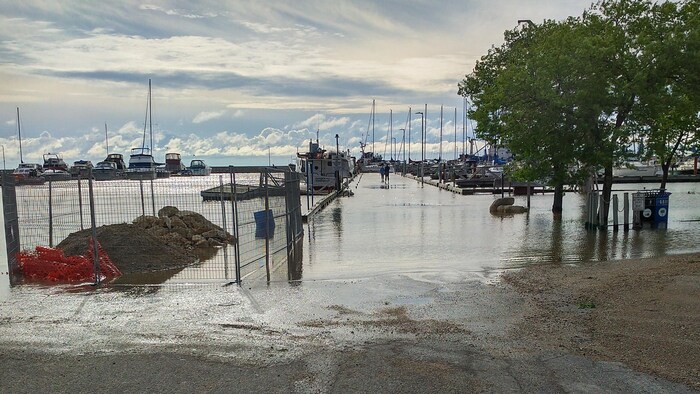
383	305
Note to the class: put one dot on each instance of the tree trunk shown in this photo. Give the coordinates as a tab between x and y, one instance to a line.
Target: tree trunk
558	204
664	177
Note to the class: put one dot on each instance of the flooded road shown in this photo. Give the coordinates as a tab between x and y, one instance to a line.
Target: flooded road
408	228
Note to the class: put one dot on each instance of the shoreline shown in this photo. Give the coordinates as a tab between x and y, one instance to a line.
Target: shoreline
644	313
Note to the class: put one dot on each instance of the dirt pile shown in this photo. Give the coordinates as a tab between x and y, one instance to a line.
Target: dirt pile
172	240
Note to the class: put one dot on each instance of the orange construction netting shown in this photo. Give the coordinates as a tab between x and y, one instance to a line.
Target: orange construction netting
51	265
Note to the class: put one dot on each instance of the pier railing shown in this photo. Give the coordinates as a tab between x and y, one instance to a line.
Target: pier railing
259	207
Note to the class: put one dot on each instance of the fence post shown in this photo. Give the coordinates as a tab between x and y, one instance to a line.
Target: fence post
223	221
287	224
143	203
80	203
95	255
267	227
234	201
153	199
50	214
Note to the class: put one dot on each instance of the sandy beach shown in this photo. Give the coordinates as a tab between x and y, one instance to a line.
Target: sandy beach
644	313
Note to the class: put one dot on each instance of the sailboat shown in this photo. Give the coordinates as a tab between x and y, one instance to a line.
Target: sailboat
369	161
142	166
26	173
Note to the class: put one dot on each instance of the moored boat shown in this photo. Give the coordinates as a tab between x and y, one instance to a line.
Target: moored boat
319	168
173	163
198	168
107	171
28	174
81	168
54	161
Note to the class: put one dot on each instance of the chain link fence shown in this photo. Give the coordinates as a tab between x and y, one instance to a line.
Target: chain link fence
259	207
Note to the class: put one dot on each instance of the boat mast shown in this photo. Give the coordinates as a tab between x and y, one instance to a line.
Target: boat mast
19	132
106	139
150	115
440	150
373	151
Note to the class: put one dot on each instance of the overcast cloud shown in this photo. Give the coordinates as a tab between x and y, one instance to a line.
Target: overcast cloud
240	78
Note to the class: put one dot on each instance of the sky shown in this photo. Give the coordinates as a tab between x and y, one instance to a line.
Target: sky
243	82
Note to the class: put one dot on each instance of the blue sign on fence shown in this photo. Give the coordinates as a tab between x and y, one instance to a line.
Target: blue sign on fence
264	224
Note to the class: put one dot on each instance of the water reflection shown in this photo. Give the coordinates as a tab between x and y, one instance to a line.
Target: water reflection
414	229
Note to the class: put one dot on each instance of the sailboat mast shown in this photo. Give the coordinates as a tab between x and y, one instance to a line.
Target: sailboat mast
409	134
391	133
150	115
106	139
19	132
373	151
440	150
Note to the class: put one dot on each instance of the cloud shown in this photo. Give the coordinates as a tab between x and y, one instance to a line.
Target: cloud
207	116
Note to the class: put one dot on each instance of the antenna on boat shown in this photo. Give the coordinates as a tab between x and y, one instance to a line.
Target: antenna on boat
19	132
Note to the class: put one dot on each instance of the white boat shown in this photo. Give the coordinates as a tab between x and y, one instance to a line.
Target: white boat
54	175
198	168
142	166
688	166
319	168
81	168
637	168
54	161
107	171
28	174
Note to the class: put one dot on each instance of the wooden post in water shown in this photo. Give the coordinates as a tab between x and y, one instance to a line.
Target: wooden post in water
528	196
615	219
602	223
626	214
594	210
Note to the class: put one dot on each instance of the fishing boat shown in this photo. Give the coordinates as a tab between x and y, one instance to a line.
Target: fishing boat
198	168
319	168
142	166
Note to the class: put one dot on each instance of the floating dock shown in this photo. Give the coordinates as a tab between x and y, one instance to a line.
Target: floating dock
242	192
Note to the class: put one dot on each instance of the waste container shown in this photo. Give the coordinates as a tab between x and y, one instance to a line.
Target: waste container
264	224
655	207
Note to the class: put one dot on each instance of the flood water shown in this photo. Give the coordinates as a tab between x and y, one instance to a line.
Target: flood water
406	228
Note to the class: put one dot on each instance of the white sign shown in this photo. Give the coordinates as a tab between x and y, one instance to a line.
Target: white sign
647	213
638	202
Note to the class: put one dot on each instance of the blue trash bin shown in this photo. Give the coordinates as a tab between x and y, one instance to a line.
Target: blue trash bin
661	207
264	224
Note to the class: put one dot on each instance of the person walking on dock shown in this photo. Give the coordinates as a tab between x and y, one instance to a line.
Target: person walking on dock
387	169
382	171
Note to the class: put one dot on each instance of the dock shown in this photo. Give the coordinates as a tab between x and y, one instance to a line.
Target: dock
242	192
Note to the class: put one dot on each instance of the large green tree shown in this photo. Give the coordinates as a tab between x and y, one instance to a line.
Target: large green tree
568	98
